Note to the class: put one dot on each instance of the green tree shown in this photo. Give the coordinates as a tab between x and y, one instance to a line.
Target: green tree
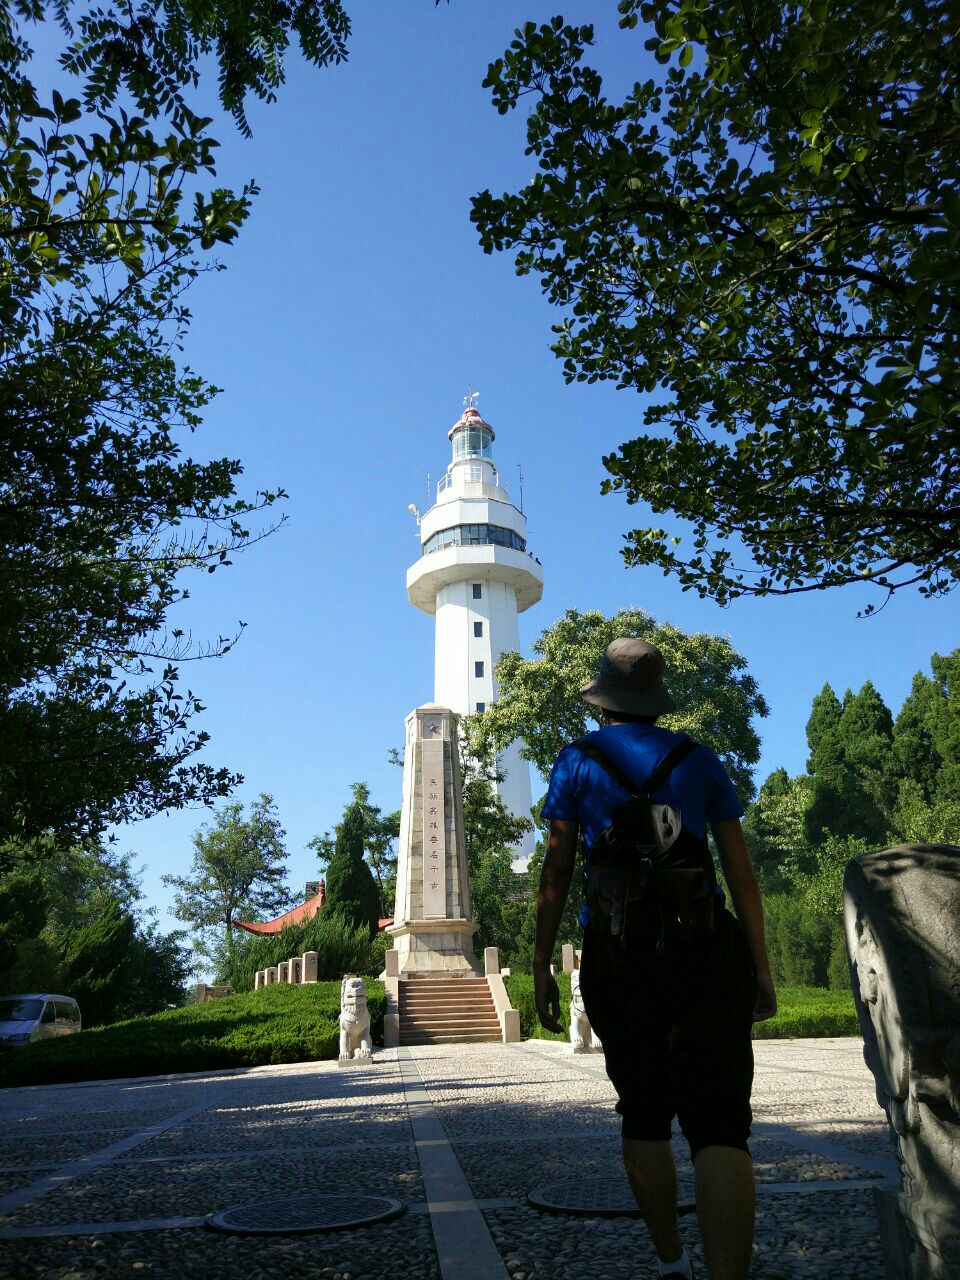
775	828
380	834
154	974
238	870
764	238
352	892
499	895
56	902
103	225
538	699
825	716
850	766
93	955
916	755
925	760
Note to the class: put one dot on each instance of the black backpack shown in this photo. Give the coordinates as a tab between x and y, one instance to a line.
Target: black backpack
647	868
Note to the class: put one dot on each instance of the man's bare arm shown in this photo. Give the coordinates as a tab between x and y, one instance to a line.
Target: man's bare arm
555	877
742	883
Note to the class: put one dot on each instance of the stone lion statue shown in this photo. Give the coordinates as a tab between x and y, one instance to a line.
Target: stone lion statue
354	1019
901	907
582	1037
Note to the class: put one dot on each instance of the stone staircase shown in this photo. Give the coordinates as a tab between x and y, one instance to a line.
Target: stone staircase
447	1011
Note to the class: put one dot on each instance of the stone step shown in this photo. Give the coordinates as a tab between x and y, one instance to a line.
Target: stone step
451	1038
430	997
465	989
440	999
447	1011
452	1020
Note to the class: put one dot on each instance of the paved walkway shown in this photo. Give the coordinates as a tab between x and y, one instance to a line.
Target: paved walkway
114	1179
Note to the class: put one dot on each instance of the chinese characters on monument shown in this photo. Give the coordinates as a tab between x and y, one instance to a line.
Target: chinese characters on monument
434	843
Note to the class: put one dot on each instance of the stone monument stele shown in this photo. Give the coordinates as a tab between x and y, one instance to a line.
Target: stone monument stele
432	930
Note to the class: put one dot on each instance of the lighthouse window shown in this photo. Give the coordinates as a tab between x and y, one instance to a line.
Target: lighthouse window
477	590
472	442
474	535
478	669
481	706
478	629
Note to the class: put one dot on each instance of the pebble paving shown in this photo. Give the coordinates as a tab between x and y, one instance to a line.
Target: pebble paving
96	1182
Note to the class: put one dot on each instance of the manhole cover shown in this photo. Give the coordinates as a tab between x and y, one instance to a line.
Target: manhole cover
297	1214
591	1198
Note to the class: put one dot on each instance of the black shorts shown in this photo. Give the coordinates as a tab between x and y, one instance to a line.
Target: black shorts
676	1033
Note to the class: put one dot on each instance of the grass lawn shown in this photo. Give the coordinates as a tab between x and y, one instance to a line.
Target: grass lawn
275	1024
802	1011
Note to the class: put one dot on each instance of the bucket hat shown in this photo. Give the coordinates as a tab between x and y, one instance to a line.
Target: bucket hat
630	680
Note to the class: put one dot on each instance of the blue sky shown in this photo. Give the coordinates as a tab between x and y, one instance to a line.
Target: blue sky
355	311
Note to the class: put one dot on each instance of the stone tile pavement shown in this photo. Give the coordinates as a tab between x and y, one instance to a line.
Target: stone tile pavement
116	1178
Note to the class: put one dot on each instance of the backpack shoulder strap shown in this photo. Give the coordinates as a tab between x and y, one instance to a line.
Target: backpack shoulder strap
661	773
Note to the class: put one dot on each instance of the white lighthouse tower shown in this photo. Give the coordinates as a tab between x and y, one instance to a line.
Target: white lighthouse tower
476	575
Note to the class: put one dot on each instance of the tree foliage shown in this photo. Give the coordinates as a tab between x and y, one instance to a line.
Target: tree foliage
103	214
871	780
340	946
238	872
352	892
499	895
765	238
74	920
538	699
850	765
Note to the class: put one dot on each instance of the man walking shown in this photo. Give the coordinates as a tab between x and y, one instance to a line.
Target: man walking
671	983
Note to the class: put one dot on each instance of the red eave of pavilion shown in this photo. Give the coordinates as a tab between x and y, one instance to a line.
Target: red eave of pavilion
299	915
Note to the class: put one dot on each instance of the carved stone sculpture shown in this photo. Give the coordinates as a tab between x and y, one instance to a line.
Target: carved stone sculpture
901	914
354	1019
582	1036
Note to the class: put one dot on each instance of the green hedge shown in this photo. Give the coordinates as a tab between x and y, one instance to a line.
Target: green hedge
275	1024
810	1012
520	989
802	1011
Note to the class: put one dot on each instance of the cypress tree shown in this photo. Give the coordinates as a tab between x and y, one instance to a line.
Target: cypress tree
853	794
824	716
915	754
351	889
945	722
826	765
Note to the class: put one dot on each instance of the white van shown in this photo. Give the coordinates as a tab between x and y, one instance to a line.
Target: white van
26	1019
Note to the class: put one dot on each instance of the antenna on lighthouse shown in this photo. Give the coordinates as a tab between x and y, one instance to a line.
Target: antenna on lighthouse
520	469
471	398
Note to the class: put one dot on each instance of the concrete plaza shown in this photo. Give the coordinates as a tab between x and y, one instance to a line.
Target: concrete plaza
116	1178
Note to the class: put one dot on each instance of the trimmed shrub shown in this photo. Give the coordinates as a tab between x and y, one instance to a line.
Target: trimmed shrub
276	1024
810	1012
520	990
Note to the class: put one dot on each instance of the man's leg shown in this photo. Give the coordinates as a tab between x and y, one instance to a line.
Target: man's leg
725	1203
653	1180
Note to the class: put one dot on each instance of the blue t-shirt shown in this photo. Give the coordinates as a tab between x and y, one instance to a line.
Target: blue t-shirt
581	791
